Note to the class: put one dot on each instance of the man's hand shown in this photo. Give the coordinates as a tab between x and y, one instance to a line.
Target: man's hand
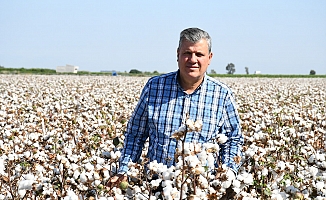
116	180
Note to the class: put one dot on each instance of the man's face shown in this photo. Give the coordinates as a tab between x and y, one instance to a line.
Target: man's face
193	60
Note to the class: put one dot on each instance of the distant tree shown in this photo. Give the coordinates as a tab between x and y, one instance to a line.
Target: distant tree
155	72
213	71
135	71
230	68
2	66
312	72
247	70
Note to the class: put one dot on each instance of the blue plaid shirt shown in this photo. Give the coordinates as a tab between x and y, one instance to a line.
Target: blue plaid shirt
162	109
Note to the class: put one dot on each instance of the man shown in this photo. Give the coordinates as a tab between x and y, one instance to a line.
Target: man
168	99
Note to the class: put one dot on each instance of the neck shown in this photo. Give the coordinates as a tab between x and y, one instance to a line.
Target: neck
190	86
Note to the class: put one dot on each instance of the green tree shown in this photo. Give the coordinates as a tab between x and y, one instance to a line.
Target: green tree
247	70
230	68
312	72
135	71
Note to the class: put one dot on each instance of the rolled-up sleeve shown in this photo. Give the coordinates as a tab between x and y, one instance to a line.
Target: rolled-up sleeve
136	133
231	128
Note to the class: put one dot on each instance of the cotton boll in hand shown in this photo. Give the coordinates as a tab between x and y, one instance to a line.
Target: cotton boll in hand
222	138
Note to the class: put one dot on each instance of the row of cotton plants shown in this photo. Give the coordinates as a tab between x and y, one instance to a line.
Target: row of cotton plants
61	138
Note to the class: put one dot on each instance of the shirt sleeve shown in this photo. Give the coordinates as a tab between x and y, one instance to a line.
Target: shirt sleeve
136	133
231	128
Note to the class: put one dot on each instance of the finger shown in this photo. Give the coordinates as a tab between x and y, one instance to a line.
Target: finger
123	178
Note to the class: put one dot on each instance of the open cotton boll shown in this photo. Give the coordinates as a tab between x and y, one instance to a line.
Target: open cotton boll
89	167
156	183
25	184
320	185
21	193
83	177
211	161
2	166
313	171
71	195
222	138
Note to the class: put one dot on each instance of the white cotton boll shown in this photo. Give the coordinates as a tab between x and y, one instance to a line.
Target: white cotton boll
311	158
236	183
264	172
100	161
71	195
96	175
156	183
74	166
198	124
203	181
11	157
152	198
222	138
230	174
59	157
167	183
21	193
161	168
320	157
320	185
97	182
192	161
89	167
113	155
166	175
29	177
27	154
210	161
190	125
83	177
106	173
25	185
76	174
2	166
202	156
90	176
313	171
281	165
248	179
187	149
226	184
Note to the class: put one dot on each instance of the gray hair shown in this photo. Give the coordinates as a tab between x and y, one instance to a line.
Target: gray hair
194	35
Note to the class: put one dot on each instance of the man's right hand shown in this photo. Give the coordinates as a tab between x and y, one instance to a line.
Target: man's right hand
116	180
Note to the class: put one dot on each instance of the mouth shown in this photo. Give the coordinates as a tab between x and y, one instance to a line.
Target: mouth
192	67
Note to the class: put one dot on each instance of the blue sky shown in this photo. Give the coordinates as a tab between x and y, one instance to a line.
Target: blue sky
274	37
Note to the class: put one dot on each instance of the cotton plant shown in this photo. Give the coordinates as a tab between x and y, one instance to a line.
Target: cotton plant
60	131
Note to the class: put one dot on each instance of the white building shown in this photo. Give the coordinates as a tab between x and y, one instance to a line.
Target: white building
257	72
67	69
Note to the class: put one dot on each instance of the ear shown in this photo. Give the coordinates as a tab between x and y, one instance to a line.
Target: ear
210	57
177	54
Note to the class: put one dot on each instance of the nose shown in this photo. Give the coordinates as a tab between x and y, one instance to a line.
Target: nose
193	58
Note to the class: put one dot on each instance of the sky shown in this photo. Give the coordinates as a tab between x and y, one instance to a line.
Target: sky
271	36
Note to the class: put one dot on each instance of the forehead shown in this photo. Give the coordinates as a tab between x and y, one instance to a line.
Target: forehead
201	45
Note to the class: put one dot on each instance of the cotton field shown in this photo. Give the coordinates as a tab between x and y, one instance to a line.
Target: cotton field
61	135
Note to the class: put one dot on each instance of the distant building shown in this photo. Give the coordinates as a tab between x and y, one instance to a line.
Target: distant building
257	72
67	69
